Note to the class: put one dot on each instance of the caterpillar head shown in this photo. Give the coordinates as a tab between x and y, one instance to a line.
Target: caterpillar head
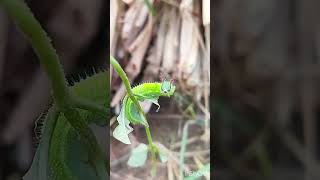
167	88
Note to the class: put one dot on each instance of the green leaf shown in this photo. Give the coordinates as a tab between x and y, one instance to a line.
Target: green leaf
40	168
154	101
133	114
163	156
84	165
34	172
138	156
162	151
146	98
122	131
95	88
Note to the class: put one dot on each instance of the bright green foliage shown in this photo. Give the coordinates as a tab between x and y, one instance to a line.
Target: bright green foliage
69	155
129	111
138	156
95	88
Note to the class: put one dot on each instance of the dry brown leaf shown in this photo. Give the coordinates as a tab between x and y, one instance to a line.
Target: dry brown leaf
128	32
161	37
152	69
118	96
139	51
170	170
113	22
188	46
133	68
205	12
128	1
170	55
134	21
143	15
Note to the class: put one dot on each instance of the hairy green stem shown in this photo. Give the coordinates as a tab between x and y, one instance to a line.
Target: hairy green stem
126	82
48	57
32	29
149	135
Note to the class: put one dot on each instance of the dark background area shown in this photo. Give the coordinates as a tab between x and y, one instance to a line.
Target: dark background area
265	84
78	29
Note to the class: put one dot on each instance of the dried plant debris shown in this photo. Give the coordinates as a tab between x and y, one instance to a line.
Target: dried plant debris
171	42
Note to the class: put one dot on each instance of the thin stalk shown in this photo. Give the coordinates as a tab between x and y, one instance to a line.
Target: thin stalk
41	43
48	57
149	135
126	82
153	149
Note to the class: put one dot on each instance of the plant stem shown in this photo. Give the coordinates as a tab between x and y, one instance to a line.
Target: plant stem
149	135
126	82
152	146
32	29
153	150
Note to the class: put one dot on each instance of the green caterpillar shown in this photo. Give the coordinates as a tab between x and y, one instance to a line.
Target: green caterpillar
129	112
62	154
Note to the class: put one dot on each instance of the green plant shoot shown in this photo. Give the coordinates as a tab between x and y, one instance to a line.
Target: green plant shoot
129	112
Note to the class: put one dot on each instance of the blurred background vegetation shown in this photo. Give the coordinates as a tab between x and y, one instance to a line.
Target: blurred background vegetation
265	84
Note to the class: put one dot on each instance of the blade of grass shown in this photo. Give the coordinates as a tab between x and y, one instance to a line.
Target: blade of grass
184	143
150	7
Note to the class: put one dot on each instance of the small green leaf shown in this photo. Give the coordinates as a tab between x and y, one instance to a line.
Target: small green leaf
163	152
154	101
121	134
138	156
163	156
81	162
122	131
137	116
